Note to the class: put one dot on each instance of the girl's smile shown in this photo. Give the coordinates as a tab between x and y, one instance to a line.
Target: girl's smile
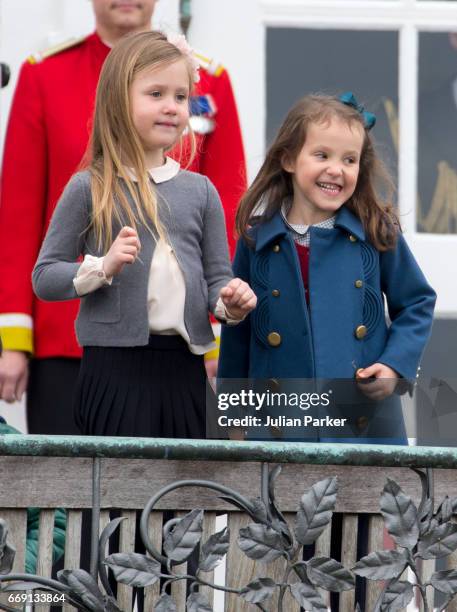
325	171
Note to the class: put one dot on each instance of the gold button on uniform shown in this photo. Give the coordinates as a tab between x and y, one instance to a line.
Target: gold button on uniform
276	248
275	293
360	332
358	283
352	238
274	339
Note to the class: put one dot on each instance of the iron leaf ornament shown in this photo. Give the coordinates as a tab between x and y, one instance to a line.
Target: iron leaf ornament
258	590
83	586
382	565
214	550
133	569
184	537
330	574
261	543
7	552
197	603
397	596
165	604
308	596
439	542
315	511
418	532
445	581
400	515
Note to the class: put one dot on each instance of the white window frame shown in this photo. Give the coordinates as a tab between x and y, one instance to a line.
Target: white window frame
408	18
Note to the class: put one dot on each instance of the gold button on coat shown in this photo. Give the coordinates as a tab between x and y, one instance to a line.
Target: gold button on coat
358	283
275	293
276	248
274	339
360	332
276	432
362	422
352	238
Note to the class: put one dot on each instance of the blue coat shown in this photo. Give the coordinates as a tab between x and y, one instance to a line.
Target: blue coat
345	326
321	342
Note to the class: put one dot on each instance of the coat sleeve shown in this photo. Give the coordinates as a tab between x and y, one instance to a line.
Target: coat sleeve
234	354
411	302
57	263
22	209
222	157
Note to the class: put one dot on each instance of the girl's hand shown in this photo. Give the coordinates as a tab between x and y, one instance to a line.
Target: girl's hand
239	299
377	381
124	250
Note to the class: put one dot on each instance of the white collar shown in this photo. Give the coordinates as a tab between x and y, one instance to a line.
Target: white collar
299	228
159	174
165	172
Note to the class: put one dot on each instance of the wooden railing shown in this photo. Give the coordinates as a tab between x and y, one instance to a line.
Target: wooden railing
123	473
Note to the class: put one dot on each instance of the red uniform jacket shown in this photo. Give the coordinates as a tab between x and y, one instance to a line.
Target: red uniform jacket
47	136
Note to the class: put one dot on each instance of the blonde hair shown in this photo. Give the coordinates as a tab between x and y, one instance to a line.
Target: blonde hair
371	201
114	139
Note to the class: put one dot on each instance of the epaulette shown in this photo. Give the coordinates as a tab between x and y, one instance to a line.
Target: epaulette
38	57
210	65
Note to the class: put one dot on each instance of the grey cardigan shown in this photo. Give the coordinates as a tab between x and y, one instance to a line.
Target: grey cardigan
117	315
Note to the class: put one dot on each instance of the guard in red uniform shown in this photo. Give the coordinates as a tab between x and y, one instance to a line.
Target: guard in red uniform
47	136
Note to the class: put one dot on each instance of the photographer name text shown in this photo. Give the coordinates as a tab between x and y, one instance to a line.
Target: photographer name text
280	421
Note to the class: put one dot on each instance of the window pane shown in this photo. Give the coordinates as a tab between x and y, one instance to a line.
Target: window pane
302	61
437	133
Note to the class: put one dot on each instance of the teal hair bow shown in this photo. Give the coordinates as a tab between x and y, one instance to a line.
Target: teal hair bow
369	119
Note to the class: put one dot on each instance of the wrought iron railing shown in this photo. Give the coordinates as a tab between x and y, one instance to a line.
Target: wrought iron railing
420	529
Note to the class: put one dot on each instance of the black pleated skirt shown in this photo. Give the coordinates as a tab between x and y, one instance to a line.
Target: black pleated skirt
156	390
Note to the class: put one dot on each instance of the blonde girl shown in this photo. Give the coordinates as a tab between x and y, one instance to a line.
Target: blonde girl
154	250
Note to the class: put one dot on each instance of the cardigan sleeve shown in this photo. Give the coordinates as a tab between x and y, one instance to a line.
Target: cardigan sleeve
57	263
410	302
215	255
234	354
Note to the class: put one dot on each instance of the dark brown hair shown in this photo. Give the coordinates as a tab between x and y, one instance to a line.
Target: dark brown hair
273	184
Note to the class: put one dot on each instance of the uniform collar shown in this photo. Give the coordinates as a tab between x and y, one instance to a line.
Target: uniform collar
160	174
97	50
276	228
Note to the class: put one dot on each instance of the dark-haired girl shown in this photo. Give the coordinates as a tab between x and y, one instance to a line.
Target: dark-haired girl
323	251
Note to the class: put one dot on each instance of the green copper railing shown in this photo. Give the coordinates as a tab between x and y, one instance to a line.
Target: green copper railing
220	450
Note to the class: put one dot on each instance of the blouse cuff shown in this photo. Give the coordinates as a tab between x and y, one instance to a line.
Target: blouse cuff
222	314
91	276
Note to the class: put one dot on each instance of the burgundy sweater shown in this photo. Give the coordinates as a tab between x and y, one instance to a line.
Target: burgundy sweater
303	258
